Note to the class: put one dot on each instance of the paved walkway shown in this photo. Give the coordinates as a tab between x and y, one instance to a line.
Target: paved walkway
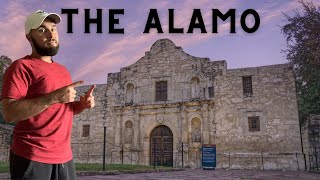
199	174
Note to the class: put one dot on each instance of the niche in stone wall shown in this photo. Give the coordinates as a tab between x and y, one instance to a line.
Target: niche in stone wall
195	88
129	93
196	130
128	133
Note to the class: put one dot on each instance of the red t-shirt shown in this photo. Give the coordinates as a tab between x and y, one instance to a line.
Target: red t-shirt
45	137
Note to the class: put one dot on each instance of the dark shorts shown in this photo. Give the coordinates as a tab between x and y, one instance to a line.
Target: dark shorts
21	168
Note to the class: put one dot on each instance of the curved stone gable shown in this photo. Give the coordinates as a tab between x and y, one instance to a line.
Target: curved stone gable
166	60
163	45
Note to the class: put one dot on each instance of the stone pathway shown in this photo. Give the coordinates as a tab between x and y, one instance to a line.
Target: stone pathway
199	174
221	174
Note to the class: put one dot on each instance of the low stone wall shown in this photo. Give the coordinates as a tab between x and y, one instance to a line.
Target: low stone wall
261	161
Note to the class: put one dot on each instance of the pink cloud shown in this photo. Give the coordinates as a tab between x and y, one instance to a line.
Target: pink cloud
274	11
13	42
135	44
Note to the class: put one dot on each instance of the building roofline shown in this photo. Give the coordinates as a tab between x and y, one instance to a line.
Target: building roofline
264	66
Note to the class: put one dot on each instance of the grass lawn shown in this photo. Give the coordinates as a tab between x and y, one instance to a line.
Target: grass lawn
4	167
119	167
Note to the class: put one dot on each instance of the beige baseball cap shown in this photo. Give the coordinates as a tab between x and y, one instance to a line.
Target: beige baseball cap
35	19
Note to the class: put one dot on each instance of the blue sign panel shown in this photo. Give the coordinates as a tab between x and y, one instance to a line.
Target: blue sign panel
208	156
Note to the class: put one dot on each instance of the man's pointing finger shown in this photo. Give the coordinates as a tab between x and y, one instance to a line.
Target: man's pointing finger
89	92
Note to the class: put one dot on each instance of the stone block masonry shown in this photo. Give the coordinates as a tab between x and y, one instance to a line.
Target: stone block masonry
249	113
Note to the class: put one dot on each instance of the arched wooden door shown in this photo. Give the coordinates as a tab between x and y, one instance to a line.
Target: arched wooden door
161	146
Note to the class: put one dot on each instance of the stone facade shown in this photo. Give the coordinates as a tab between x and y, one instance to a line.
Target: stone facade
89	148
202	102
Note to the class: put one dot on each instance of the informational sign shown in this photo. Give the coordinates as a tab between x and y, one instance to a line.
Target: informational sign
209	156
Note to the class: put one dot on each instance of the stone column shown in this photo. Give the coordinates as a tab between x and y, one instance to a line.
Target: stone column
184	125
213	127
118	130
180	125
136	136
205	124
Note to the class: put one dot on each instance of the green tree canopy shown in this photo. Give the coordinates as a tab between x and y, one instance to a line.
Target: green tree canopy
5	61
302	33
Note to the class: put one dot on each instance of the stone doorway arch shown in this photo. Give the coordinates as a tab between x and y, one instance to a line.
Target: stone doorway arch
161	146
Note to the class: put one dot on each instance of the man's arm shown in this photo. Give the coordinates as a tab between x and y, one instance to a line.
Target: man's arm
15	110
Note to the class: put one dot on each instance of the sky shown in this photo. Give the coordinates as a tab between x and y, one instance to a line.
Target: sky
91	56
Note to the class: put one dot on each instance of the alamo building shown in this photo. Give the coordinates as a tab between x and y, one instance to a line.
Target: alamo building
167	104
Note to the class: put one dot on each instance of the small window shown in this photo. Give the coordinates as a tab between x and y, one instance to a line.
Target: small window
211	92
161	91
247	85
86	130
254	123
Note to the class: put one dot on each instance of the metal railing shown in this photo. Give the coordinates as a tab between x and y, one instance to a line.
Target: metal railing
188	157
313	160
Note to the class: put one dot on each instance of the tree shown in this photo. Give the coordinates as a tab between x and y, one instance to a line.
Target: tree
302	33
4	64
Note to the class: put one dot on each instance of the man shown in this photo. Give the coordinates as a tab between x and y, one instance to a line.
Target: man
39	96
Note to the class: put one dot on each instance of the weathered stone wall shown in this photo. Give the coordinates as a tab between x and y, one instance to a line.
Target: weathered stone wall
5	141
261	161
126	105
273	100
164	62
90	149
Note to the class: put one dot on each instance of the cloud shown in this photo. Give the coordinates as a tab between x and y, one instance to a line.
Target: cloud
129	48
13	42
274	11
96	55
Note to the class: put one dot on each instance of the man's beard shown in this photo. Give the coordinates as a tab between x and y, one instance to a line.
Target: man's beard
45	51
